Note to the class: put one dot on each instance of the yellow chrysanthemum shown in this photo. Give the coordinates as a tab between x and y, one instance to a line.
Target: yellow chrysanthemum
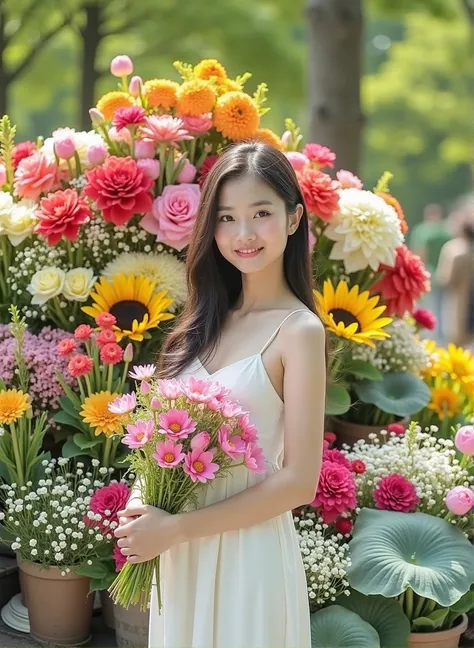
133	302
95	412
196	97
236	116
161	93
209	68
13	404
458	363
352	315
112	101
446	402
229	85
269	137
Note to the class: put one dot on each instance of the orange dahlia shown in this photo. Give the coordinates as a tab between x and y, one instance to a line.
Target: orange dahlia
393	202
267	136
112	101
161	93
196	97
236	116
210	68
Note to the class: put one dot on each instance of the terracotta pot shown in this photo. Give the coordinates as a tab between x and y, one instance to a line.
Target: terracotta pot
349	433
131	626
443	639
9	583
59	607
107	609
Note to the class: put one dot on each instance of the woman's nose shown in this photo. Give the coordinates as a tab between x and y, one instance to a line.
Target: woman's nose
245	233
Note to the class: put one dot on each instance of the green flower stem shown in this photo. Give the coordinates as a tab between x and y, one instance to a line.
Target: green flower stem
419	606
110	375
409	603
81	389
124	377
56	307
162	157
89	386
106	454
18	458
401	600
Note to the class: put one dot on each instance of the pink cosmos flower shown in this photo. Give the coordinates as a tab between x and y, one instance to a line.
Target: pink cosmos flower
460	500
35	175
201	441
464	439
142	372
248	432
168	453
170	388
164	129
232	444
348	179
123	404
201	391
229	409
197	124
297	160
199	466
177	424
254	459
138	434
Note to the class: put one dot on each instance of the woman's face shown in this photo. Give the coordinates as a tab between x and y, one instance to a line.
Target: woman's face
252	224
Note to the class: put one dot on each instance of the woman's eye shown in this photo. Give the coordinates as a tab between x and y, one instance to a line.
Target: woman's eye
226	218
262	213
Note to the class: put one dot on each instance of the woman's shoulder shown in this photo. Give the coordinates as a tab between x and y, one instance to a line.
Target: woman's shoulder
302	327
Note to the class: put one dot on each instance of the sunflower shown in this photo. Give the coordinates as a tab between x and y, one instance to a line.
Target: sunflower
267	136
112	101
352	315
236	116
209	68
161	93
446	401
132	301
95	412
13	404
458	363
196	97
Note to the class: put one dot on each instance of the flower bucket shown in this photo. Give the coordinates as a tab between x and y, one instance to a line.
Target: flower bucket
131	626
443	639
59	607
350	433
107	606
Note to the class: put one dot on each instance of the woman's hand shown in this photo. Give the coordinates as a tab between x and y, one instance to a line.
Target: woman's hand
145	532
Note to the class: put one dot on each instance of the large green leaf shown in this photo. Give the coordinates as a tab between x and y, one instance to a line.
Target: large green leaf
401	394
383	614
338	400
362	369
83	442
70	450
337	627
391	551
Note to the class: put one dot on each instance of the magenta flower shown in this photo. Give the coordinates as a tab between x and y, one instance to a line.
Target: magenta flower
168	454
138	434
130	116
107	502
248	432
201	441
177	424
119	559
460	500
164	129
233	445
123	404
142	372
201	391
254	459
336	492
348	179
199	466
396	493
229	409
170	388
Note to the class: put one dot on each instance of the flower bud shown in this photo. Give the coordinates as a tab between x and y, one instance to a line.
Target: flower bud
96	154
135	86
145	387
65	148
121	66
96	116
150	167
144	149
120	135
187	173
460	500
3	175
128	353
155	403
464	439
286	138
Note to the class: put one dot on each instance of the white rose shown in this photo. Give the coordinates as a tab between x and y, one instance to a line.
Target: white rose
78	284
6	205
18	224
46	284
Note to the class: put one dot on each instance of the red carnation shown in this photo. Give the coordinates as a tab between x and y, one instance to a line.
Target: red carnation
344	526
359	467
107	336
120	189
319	155
108	501
22	150
395	493
80	365
111	353
425	319
83	332
336	493
398	428
206	166
330	437
403	284
319	193
336	456
131	116
61	214
66	347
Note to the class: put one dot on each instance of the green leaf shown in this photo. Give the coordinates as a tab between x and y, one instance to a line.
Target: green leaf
391	551
64	417
84	443
401	394
362	369
70	450
337	627
338	400
432	622
96	570
68	406
464	605
383	614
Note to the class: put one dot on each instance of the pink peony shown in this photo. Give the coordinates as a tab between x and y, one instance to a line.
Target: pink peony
144	150
119	558
464	439
138	434
173	215
199	466
170	388
130	116
201	391
141	372
177	424
336	492
187	173
320	193
35	175
197	124
108	501
396	493
319	156
61	214
248	432
232	444
297	160
336	456
121	66
123	404
460	500
168	454
348	180
201	441
164	129
150	166
254	459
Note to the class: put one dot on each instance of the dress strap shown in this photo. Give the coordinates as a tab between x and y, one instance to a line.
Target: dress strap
273	336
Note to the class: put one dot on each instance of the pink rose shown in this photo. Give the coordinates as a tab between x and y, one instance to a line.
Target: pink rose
35	175
297	160
464	439
460	500
144	149
173	215
197	124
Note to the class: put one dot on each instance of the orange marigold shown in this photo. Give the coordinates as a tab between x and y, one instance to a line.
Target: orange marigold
196	97
161	93
210	68
269	137
393	202
228	85
112	101
236	116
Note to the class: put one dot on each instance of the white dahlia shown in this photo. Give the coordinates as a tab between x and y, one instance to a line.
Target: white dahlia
164	269
366	231
83	141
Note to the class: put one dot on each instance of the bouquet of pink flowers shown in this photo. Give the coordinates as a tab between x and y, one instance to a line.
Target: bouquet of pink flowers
182	435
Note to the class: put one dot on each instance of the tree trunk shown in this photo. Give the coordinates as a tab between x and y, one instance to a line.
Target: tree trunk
335	52
92	36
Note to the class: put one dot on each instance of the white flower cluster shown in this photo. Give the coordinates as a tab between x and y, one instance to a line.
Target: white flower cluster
402	351
429	462
325	559
49	522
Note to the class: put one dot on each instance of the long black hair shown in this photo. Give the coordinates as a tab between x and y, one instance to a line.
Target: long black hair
214	284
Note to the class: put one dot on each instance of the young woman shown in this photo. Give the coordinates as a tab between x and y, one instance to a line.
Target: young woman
232	574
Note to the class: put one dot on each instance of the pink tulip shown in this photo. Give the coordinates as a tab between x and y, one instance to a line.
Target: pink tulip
144	149
128	353
150	167
254	459
155	403
199	466
460	500
96	116
168	454
464	439
135	86
233	445
170	388
201	441
96	154
65	148
121	66
123	404
145	387
187	173
138	434
177	424
3	175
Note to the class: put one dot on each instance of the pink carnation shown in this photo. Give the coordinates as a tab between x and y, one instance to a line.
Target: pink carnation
164	129
319	156
336	492
130	116
35	175
197	124
395	493
108	501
